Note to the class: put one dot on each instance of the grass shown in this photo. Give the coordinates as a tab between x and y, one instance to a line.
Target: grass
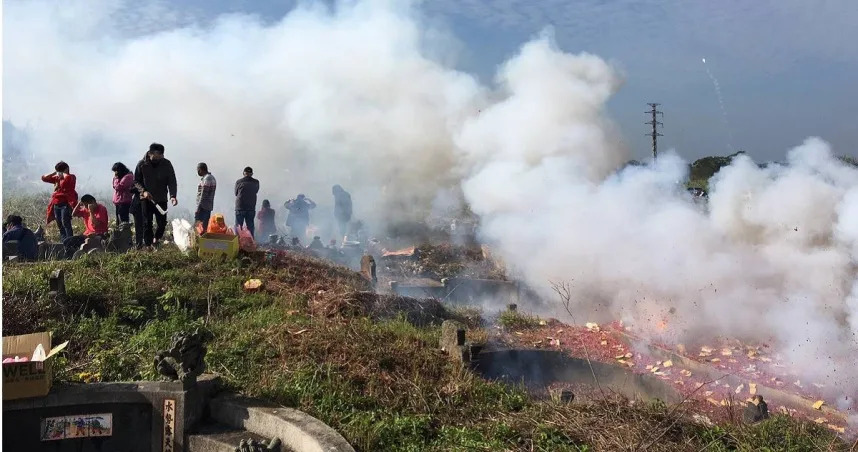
315	338
515	320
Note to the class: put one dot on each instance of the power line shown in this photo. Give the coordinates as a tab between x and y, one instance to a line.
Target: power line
655	123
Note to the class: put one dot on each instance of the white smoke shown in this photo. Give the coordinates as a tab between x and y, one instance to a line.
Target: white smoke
773	260
319	98
350	96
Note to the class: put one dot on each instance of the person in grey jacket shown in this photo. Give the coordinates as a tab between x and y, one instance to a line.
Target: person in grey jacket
246	189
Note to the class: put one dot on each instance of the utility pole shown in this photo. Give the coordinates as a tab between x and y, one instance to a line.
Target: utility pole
655	123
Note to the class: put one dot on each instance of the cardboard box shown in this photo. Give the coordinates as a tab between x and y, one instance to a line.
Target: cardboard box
30	378
218	245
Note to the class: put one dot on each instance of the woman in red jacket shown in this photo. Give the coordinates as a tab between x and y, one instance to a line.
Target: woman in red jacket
63	200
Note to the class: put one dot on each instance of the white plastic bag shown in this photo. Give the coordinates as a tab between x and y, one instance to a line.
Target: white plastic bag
182	231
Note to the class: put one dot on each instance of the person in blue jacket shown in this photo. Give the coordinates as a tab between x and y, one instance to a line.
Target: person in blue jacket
28	248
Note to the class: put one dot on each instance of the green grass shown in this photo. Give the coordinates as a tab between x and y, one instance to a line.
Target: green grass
305	341
515	320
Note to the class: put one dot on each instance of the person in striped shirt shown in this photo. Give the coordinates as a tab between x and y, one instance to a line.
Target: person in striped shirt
205	195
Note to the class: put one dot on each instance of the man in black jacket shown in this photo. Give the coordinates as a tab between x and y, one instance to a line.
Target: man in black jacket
246	189
154	179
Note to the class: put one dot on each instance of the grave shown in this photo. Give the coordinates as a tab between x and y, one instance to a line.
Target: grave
133	417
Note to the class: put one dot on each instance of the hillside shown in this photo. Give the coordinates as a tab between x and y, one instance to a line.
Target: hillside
367	365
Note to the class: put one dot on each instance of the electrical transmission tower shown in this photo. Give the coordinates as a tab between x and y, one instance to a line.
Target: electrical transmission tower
655	123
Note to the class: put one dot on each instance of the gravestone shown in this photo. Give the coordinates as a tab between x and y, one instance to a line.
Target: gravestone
367	268
120	239
756	410
95	417
453	341
57	284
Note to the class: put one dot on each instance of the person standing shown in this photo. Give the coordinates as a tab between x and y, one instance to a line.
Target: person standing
205	195
137	209
155	179
123	182
95	218
246	189
267	227
299	215
342	209
63	200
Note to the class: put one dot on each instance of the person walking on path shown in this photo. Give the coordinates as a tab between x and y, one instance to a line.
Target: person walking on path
246	189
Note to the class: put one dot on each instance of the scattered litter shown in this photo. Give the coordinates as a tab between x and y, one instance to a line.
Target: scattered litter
752	388
299	332
713	401
818	404
797	383
592	326
820	386
726	352
740	388
837	428
715	360
820	420
765	360
668	363
699	418
252	284
686	373
604	342
542	323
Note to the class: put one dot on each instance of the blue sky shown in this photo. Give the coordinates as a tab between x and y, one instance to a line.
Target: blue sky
787	68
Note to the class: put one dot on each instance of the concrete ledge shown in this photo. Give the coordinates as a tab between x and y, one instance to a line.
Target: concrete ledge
297	430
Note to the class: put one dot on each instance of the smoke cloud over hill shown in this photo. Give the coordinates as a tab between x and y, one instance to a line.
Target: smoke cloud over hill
361	96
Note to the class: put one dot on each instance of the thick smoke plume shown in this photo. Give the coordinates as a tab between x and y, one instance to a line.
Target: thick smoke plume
319	98
360	96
